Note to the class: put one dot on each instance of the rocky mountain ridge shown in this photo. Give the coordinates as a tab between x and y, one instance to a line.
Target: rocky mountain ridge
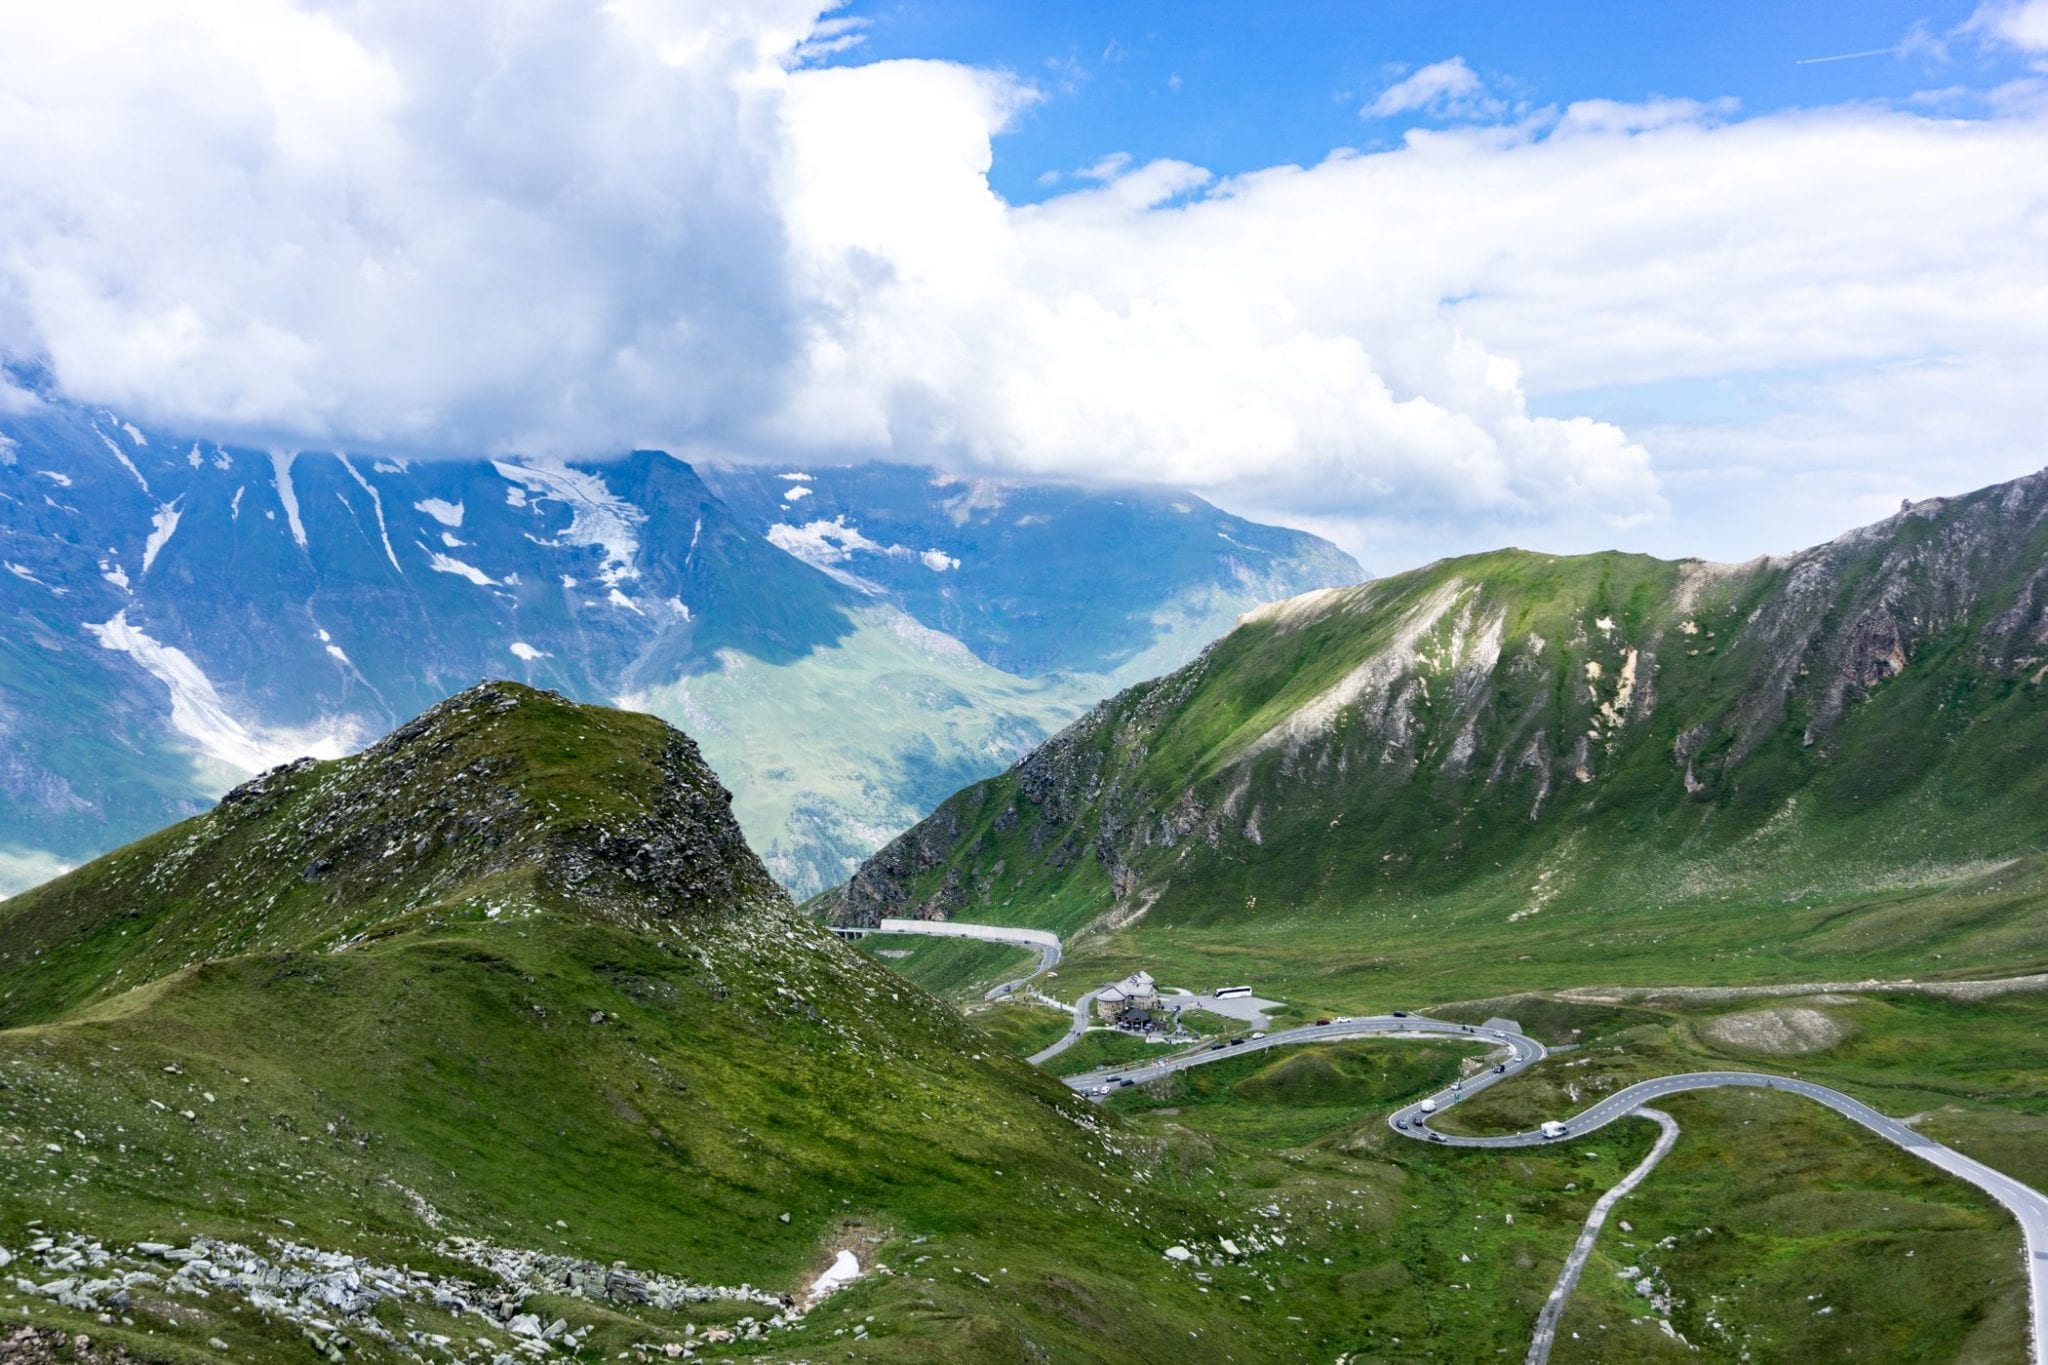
1413	731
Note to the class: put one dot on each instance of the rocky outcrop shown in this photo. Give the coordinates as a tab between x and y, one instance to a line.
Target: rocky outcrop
1645	681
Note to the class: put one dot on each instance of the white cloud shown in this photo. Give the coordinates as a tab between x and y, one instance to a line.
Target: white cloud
388	222
2022	24
657	226
22	868
1446	89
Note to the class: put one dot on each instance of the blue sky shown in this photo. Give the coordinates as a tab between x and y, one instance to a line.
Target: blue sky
1235	87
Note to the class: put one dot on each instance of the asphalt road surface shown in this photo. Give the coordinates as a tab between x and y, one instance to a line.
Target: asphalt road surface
1515	1053
2028	1205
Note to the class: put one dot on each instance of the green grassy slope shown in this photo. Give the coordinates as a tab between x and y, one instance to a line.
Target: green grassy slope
508	986
1482	768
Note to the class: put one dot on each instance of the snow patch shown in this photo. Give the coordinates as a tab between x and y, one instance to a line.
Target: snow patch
619	599
803	478
441	563
843	1271
827	545
198	713
281	462
163	524
134	435
822	544
377	503
235	505
679	607
24	573
114	448
111	570
449	514
61	480
597	518
523	650
794	493
8	445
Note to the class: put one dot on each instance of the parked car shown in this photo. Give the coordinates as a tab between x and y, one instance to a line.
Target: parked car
1321	1023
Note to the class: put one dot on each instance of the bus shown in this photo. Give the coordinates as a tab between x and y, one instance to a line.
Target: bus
1228	992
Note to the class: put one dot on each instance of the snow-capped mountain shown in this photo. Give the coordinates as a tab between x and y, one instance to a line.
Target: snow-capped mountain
848	644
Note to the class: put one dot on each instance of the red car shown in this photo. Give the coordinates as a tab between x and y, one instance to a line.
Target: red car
1321	1023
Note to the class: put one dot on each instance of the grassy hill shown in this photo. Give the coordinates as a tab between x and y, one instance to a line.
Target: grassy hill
500	1022
1514	770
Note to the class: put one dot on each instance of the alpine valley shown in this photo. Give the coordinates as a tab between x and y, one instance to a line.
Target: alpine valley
494	1041
849	644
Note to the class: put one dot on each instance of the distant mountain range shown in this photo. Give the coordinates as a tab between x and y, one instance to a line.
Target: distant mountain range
1518	750
849	644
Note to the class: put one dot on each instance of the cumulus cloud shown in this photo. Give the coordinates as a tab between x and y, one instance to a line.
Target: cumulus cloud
2022	24
1446	89
392	223
561	231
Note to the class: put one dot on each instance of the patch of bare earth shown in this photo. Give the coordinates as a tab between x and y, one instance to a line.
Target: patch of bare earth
1782	1031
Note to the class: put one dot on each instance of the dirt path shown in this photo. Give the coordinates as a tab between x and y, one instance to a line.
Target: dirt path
1568	1278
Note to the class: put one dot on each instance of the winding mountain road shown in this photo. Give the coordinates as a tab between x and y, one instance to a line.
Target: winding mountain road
2028	1205
1040	941
1518	1052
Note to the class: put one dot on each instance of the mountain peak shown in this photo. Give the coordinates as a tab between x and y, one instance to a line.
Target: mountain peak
502	798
